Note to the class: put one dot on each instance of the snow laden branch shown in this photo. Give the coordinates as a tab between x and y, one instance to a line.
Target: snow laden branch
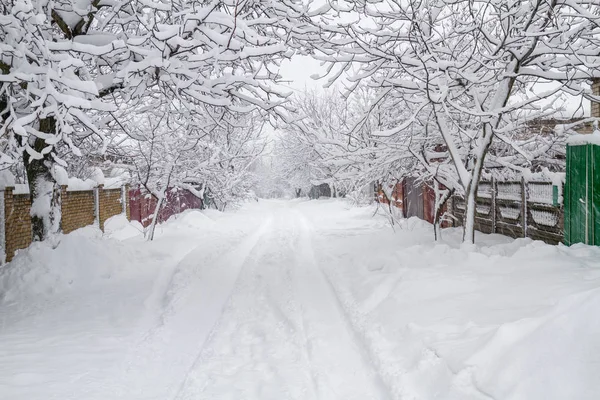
208	151
472	78
68	67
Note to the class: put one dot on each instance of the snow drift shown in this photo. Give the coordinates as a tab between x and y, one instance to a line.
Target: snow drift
94	317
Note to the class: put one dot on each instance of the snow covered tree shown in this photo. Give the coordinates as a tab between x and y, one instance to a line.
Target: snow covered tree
236	144
473	72
319	146
206	150
65	63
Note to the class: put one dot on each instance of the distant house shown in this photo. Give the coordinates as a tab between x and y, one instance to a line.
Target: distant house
322	190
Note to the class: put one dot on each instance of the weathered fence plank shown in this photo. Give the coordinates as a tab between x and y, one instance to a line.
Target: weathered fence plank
516	209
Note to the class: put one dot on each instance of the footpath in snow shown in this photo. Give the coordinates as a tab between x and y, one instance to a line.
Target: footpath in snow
298	300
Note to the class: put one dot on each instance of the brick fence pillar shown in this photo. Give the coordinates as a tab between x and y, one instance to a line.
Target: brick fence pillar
63	199
8	248
17	224
2	226
100	212
97	206
125	201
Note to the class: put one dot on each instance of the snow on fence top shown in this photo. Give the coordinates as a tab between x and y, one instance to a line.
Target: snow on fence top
72	184
583	139
96	178
21	188
77	185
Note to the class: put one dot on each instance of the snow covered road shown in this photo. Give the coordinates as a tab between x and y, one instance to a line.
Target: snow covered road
298	300
283	333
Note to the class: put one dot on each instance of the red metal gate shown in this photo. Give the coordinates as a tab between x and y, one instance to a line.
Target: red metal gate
142	204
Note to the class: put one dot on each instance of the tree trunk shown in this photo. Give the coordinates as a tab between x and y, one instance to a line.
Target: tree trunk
152	227
471	207
43	190
440	201
469	223
471	189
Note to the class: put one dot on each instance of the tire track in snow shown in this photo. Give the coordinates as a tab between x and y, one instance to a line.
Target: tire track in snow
283	333
342	363
258	349
390	374
198	292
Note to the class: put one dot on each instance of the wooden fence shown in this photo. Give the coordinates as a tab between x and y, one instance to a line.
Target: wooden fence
516	209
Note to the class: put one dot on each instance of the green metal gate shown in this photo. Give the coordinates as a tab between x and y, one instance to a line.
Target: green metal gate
582	194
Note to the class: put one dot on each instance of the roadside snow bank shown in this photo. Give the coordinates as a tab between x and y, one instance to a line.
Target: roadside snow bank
505	319
75	320
191	219
81	259
554	356
86	257
119	228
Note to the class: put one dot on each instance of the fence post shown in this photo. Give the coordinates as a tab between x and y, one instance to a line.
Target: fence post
127	202
493	205
8	210
101	212
63	198
524	197
124	199
97	206
2	228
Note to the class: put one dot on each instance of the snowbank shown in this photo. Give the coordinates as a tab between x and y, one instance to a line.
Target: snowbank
191	219
88	257
555	355
82	259
505	319
119	228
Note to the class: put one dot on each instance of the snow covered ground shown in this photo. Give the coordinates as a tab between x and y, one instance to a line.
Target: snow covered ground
298	300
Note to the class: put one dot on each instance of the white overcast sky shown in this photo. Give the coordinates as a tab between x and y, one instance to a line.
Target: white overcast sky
298	71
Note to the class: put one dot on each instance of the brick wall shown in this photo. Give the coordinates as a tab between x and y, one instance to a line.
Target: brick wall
17	222
110	204
596	106
78	209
